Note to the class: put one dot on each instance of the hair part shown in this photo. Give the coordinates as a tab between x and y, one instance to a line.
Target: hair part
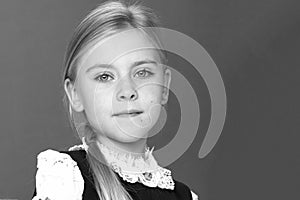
106	19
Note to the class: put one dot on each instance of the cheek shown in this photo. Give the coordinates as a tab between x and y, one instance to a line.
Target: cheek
102	102
97	104
100	110
152	105
152	94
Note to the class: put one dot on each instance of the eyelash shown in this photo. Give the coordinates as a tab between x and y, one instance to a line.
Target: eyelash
97	77
106	74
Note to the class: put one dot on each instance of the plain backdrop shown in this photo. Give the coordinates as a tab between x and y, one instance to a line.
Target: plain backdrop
255	45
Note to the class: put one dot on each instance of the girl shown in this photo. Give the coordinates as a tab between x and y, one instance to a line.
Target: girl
115	83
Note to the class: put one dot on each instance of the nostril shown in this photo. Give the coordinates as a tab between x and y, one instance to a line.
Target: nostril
127	96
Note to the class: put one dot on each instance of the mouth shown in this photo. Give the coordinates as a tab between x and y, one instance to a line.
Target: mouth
129	113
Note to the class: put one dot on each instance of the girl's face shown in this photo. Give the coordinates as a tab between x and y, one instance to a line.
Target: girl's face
120	86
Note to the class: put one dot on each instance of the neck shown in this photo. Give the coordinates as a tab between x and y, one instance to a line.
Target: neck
135	148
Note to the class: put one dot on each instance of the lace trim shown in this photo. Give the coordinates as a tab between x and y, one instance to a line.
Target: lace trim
136	168
194	196
58	177
160	178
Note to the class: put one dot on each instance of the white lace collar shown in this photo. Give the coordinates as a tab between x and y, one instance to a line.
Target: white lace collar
142	168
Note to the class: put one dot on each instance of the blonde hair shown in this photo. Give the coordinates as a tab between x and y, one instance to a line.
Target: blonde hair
106	19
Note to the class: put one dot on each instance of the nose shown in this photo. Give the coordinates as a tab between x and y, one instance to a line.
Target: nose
127	91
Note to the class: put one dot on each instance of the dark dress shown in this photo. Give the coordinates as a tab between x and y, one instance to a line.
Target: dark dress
138	191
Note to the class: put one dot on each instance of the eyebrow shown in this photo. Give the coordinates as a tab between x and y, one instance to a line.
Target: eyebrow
137	63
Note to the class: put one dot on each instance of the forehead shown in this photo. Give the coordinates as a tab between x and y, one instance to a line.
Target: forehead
131	42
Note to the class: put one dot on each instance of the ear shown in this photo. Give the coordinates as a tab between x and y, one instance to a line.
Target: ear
73	96
167	81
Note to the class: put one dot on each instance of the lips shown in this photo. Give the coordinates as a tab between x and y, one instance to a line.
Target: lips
130	112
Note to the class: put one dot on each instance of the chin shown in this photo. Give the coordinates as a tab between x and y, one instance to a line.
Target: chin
129	138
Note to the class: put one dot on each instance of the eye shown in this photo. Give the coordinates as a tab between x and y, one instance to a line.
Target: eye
143	73
103	77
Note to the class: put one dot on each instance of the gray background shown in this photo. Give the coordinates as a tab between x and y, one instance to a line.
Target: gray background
255	44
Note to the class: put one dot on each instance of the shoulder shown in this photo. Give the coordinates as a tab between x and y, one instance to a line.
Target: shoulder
78	155
58	176
194	196
51	157
184	191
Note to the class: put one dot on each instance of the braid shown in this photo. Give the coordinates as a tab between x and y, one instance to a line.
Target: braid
108	181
